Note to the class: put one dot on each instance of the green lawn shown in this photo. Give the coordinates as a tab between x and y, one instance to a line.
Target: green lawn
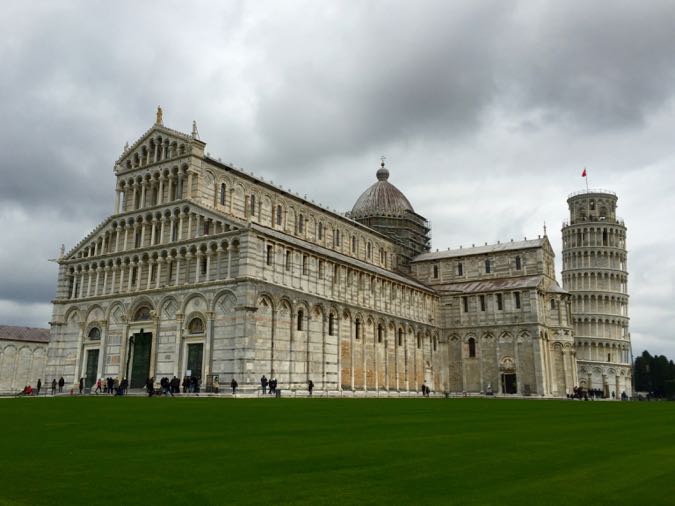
101	450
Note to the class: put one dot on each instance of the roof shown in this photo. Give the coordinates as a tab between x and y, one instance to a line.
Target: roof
382	198
481	250
29	334
491	285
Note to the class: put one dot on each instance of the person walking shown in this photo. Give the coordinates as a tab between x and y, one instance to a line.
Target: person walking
39	385
150	386
234	386
310	387
61	383
81	385
98	387
54	386
263	384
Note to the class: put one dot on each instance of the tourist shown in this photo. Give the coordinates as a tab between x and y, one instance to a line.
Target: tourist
428	390
185	384
263	384
39	385
234	386
54	386
150	386
115	385
98	387
61	383
27	390
175	385
81	385
424	390
310	387
124	386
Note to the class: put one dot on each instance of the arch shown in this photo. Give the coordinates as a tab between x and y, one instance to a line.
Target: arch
195	299
137	304
224	299
196	324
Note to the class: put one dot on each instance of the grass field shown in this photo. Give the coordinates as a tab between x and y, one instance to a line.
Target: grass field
97	450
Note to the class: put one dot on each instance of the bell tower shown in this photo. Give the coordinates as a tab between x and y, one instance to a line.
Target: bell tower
596	275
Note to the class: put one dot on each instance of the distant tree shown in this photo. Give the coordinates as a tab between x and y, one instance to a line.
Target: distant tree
655	374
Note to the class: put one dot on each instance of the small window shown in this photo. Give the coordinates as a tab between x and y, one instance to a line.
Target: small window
488	267
518	263
500	304
380	333
357	324
472	347
321	269
203	264
369	251
460	269
174	232
301	317
435	271
196	326
280	213
465	304
207	227
320	231
95	333
552	303
336	238
288	260
419	342
516	299
137	239
252	205
134	272
305	265
434	344
482	302
270	254
400	337
353	244
301	224
222	194
331	324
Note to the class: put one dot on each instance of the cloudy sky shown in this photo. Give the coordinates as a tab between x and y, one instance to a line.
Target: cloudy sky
486	111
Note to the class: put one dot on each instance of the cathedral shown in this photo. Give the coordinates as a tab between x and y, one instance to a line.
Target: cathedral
206	270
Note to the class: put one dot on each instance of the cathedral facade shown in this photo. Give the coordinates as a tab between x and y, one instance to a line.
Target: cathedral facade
209	271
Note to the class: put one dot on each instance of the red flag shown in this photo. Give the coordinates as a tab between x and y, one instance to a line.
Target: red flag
583	174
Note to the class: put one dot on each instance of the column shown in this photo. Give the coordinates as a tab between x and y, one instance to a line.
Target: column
151	266
112	283
207	346
144	187
143	227
102	349
72	292
88	282
135	186
153	349
139	272
121	278
179	342
169	196
177	270
153	232
229	259
208	266
189	228
158	274
131	269
78	357
189	189
117	201
160	191
162	222
127	227
98	273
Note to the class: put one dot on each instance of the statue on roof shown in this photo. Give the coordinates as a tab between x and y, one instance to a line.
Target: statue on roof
160	113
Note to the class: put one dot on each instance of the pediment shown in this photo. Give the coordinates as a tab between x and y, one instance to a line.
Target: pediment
158	144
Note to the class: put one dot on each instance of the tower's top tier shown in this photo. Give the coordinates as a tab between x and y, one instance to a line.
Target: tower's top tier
593	206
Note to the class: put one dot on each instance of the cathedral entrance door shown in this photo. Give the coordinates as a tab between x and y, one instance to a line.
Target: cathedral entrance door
195	355
509	385
141	347
92	368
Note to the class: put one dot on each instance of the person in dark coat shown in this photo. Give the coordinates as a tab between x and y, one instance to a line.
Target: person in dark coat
53	386
61	383
310	387
234	386
150	386
39	385
81	385
263	384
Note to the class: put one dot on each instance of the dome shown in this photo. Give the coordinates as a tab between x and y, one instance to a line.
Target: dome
381	198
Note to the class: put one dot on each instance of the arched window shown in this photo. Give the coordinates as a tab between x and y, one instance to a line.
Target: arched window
353	244
472	347
419	342
143	313
357	324
320	231
380	333
301	224
280	214
331	324
196	326
369	250
95	333
435	271
552	303
435	341
252	206
222	194
518	263
270	254
400	337
336	238
488	267
301	316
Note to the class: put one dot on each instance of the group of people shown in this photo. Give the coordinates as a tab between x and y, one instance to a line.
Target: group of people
425	390
593	393
190	384
269	385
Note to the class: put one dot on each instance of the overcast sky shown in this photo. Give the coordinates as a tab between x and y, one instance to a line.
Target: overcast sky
486	111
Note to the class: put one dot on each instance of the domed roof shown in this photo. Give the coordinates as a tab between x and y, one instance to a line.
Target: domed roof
381	198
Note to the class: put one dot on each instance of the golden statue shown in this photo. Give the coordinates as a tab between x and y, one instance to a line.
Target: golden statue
159	116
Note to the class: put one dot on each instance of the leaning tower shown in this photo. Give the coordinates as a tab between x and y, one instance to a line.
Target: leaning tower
595	273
